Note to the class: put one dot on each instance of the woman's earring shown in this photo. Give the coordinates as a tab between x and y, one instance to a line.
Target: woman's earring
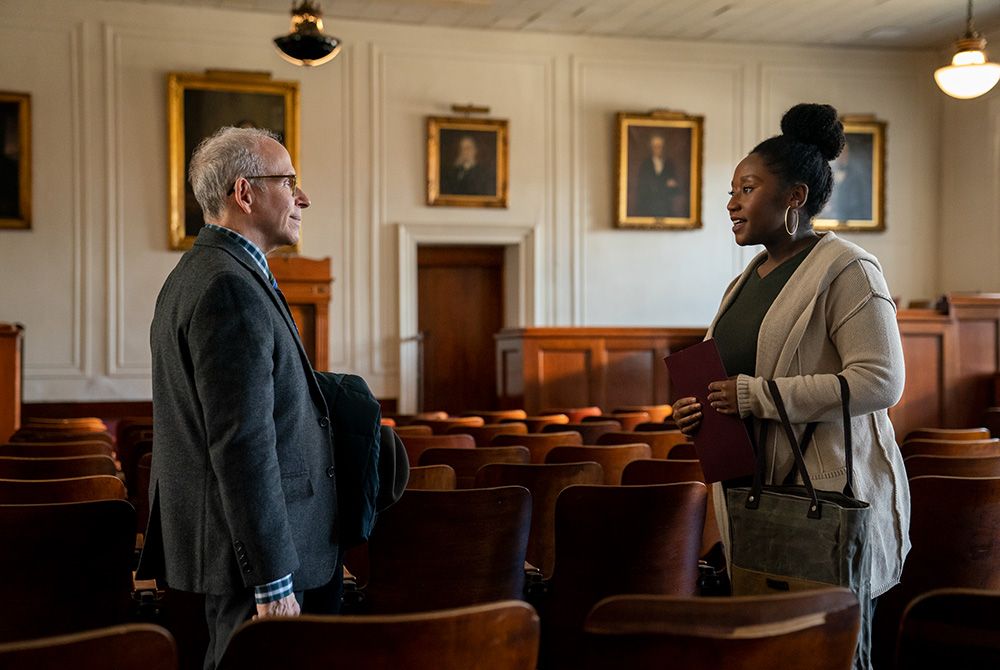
796	226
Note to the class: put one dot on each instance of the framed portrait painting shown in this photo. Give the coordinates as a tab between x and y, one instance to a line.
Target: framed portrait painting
858	199
658	168
15	160
466	162
200	104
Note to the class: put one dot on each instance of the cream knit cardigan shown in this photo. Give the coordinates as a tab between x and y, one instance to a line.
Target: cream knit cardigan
834	316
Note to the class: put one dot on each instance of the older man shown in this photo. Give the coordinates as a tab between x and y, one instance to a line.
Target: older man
243	496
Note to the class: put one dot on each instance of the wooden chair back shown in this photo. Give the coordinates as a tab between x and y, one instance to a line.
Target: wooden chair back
988	447
431	478
657	413
545	482
133	438
485	433
674	471
628	420
612	540
919	465
413	431
684	451
575	414
65	567
466	462
497	415
613	457
441	549
62	467
806	630
540	444
140	499
948	434
74	489
950	628
955	536
590	431
495	636
57	449
133	646
660	441
416	445
26	435
442	426
536	423
86	424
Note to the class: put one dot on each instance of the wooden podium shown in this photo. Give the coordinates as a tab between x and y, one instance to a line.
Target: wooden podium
11	336
306	286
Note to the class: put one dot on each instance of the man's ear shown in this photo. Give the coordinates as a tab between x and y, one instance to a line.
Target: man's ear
243	194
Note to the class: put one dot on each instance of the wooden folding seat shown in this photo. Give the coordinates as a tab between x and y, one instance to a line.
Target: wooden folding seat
950	628
987	447
575	414
613	457
536	423
140	491
947	434
952	466
431	478
61	467
133	437
661	441
65	567
441	549
417	444
134	646
591	431
485	433
497	415
412	431
955	536
407	419
466	462
441	426
628	420
657	413
545	482
684	451
539	444
23	435
495	636
612	540
675	471
69	425
56	449
806	630
74	489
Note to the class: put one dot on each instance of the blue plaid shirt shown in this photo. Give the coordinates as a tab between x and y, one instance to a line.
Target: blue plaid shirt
280	588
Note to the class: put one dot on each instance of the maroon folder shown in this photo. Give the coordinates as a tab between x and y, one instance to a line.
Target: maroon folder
722	443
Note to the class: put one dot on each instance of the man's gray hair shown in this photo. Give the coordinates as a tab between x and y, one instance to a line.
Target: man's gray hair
221	159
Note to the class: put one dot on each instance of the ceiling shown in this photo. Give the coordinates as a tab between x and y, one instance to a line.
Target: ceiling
856	23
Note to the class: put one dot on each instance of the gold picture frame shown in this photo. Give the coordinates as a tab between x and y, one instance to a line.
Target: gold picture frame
658	170
857	203
466	162
15	160
200	104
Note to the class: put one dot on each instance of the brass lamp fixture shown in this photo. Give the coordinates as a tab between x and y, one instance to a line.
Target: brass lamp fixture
969	75
306	44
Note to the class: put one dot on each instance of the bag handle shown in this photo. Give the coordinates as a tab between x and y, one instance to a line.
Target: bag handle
798	449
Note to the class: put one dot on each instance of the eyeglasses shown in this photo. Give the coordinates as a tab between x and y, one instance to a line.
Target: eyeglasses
293	181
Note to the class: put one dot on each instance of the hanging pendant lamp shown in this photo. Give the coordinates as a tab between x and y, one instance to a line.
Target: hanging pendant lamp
969	75
306	44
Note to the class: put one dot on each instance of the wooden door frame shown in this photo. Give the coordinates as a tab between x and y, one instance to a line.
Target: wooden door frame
519	277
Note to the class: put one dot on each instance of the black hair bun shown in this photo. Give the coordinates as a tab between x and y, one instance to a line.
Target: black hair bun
817	125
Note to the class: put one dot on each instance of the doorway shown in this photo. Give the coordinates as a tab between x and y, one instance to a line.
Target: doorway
460	306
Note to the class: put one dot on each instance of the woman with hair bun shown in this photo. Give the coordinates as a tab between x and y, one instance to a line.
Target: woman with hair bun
809	307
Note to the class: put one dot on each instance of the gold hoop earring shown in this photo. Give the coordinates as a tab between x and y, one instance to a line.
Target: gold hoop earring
796	227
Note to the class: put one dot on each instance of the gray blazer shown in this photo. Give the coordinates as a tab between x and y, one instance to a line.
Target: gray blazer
242	488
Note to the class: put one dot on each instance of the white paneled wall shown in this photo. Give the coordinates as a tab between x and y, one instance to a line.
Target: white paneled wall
84	280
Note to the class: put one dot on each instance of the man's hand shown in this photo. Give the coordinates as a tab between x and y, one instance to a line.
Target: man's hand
287	606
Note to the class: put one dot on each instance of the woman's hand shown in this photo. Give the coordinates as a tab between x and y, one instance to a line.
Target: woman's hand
722	397
687	415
